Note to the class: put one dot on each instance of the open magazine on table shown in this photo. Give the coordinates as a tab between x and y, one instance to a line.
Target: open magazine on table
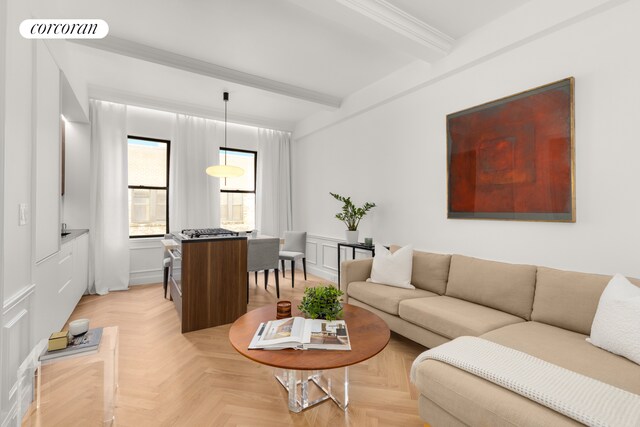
302	334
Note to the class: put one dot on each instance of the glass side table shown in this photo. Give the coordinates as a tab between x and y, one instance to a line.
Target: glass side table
76	389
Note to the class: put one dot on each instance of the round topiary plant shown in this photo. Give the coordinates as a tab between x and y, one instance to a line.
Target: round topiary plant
322	302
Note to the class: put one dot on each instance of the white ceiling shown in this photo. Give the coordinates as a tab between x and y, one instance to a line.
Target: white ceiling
457	18
282	60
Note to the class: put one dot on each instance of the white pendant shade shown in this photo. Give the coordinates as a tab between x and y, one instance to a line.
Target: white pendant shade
225	171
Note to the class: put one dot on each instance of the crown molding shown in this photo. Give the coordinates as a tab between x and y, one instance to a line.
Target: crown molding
151	54
163	104
402	23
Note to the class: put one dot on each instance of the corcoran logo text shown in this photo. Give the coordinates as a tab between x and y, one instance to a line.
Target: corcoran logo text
64	28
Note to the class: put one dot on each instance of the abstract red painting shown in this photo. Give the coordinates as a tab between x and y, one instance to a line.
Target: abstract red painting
513	158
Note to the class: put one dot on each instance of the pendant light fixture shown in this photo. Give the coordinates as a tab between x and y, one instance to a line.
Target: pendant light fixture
225	170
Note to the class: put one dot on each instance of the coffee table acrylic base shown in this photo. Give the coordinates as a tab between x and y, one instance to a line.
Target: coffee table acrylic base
308	388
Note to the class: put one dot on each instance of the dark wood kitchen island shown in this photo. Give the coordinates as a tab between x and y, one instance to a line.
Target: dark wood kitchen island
211	288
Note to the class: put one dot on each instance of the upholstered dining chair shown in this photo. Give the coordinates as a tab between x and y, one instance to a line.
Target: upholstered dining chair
262	255
294	248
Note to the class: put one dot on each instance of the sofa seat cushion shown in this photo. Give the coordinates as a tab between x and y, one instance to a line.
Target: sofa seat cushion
569	350
474	401
383	297
452	317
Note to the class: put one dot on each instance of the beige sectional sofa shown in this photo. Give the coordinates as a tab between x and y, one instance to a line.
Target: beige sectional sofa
541	311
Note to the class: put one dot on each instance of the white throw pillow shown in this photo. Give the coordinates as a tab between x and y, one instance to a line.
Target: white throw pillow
393	269
616	325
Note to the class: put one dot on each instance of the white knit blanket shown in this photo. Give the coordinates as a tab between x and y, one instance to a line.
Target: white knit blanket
576	396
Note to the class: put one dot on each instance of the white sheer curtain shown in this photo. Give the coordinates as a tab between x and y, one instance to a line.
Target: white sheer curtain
194	196
274	212
109	221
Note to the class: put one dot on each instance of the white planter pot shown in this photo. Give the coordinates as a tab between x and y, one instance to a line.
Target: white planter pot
352	236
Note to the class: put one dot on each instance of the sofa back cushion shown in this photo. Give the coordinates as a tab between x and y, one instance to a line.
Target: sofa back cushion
568	299
430	271
505	287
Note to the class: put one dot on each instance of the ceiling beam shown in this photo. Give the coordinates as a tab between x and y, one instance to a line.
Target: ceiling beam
386	23
186	63
402	23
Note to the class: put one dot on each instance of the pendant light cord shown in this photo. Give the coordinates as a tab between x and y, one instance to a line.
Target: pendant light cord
225	97
225	131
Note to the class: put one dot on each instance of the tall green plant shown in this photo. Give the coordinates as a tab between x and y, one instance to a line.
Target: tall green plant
351	215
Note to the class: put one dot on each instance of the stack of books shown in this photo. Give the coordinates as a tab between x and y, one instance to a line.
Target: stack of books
80	344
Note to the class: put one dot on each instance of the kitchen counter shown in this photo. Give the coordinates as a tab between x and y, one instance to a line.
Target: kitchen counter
208	280
73	233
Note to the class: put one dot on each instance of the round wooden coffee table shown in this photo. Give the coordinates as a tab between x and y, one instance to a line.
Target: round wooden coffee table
296	370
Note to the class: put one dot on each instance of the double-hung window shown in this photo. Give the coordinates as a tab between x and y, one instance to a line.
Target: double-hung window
238	195
148	186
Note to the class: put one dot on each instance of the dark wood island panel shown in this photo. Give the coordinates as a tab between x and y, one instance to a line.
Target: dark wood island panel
214	287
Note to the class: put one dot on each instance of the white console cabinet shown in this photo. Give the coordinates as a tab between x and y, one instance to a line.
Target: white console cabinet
60	281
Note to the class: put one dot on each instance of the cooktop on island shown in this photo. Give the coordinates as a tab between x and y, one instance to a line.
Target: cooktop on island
206	233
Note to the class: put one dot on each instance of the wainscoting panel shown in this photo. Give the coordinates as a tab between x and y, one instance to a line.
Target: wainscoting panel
312	252
322	259
17	318
329	257
146	261
326	256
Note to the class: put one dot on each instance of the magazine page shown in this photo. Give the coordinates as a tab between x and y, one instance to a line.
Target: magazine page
288	330
322	334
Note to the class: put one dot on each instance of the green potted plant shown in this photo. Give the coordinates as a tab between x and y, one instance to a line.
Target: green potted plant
351	215
322	302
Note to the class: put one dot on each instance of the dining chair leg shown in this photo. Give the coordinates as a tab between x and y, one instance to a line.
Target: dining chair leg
266	278
304	267
165	282
293	272
247	287
256	277
277	284
282	264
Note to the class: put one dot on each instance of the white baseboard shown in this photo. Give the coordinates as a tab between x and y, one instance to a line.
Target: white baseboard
322	273
146	277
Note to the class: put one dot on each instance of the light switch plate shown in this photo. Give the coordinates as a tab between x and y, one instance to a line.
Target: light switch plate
22	214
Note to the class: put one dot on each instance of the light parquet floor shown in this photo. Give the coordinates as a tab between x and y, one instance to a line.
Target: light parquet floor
197	379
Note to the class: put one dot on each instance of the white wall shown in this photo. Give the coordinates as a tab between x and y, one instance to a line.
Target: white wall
394	154
146	253
17	316
18	152
3	30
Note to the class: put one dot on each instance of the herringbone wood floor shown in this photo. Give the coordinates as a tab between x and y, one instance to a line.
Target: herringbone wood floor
197	379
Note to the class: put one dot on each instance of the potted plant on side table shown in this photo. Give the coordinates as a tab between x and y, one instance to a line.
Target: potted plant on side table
351	215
